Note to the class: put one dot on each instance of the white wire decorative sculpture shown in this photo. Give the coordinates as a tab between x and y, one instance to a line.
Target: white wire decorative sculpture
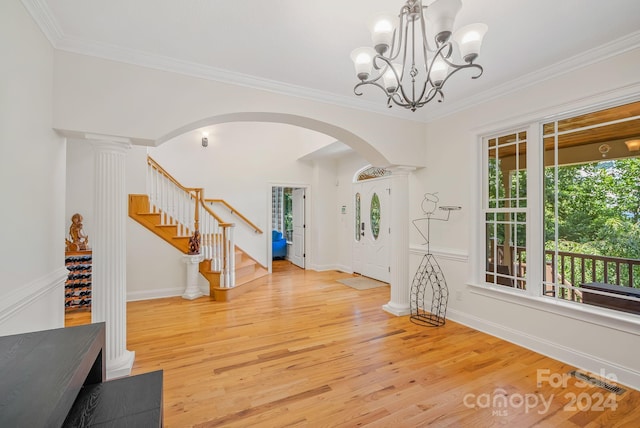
429	272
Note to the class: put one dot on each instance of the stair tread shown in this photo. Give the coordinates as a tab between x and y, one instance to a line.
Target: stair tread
246	268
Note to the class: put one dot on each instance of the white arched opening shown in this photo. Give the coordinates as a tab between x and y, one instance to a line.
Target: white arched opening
362	147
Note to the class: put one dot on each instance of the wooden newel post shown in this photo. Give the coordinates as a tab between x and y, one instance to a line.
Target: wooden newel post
196	220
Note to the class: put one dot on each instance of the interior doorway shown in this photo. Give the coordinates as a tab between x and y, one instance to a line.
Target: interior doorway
288	222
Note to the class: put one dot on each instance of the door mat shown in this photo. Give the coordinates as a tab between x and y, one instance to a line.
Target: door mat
362	283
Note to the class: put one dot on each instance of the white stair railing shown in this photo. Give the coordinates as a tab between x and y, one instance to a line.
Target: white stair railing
185	208
176	204
217	244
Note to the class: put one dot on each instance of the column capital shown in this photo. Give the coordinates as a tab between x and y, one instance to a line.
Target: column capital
399	170
109	142
192	258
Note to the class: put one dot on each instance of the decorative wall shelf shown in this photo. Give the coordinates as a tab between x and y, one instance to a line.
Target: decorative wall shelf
77	289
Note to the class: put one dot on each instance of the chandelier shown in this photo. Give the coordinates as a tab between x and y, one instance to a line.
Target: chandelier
410	70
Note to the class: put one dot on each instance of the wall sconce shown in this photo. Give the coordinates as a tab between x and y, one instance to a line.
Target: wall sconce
633	145
205	139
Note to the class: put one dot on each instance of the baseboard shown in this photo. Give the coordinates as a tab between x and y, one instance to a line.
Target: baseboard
325	268
160	293
28	294
624	375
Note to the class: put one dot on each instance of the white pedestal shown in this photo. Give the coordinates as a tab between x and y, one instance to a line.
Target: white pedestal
192	291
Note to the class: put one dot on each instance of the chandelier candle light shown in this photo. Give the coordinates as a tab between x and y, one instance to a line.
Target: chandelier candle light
425	68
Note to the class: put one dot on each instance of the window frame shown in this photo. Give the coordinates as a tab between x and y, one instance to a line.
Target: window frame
532	297
486	209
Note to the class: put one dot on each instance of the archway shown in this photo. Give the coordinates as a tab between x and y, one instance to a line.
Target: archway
364	149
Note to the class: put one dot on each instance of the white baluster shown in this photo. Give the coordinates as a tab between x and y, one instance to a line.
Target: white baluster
154	185
152	189
217	248
232	257
181	216
163	212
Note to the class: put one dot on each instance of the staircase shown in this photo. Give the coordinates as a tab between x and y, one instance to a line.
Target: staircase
174	212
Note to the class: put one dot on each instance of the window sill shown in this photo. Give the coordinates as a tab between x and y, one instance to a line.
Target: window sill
613	319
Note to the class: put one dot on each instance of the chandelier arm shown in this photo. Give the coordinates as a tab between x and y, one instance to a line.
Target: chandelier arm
398	77
397	100
417	100
425	40
404	61
438	53
462	67
373	83
433	92
426	47
397	42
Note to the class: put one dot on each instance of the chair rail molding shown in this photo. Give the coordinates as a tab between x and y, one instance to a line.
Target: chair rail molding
29	293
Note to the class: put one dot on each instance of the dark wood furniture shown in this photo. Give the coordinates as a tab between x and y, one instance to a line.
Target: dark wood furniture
610	301
56	378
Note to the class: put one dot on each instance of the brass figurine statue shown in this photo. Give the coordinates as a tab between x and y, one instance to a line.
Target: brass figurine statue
194	243
77	240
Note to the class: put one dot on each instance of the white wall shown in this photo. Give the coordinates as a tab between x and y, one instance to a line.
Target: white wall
242	159
580	339
106	97
323	216
80	185
32	176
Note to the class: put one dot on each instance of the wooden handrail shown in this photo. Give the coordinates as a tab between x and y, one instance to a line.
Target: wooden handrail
156	165
235	212
197	192
214	215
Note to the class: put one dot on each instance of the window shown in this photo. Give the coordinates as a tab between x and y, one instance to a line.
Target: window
505	203
375	216
592	208
281	211
276	209
561	209
288	214
357	210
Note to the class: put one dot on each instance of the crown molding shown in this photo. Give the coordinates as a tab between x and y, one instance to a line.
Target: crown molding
42	15
592	56
51	29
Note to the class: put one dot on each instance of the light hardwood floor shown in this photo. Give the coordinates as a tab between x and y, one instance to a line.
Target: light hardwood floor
304	350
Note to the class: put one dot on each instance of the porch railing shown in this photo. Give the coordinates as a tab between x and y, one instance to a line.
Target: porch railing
185	208
574	269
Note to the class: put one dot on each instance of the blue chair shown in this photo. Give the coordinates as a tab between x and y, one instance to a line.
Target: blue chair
278	244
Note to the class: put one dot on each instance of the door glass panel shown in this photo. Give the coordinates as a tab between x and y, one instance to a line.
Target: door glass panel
375	216
357	212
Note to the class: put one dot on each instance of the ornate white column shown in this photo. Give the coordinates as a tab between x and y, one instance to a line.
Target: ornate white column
109	288
191	290
400	282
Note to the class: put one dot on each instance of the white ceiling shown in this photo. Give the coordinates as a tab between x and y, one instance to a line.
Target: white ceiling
302	47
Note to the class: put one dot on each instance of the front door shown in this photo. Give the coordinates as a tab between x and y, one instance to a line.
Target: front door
371	216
